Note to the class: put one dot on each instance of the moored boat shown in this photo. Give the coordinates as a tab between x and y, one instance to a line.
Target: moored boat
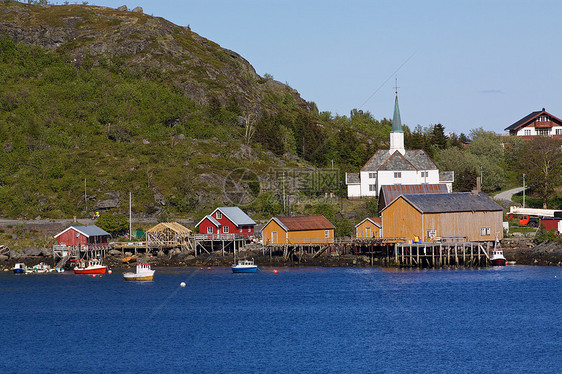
94	267
19	268
143	273
497	258
245	266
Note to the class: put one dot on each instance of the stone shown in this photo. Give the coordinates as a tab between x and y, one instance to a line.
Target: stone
144	141
123	8
137	10
114	252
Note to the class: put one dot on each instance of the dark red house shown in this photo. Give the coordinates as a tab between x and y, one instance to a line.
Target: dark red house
227	222
85	236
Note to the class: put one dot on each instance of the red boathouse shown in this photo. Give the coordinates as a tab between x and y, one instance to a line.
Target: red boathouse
227	222
85	236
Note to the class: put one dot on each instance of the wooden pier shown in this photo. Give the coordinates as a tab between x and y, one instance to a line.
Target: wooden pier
467	254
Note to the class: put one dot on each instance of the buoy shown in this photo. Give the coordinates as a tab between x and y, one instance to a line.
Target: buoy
275	271
208	268
93	275
109	272
182	284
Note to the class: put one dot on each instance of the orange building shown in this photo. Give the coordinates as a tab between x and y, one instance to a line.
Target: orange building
298	230
430	217
369	228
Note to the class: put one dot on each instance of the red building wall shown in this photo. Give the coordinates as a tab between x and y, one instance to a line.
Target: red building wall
225	222
72	237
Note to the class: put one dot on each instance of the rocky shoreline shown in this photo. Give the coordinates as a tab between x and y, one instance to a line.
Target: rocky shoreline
521	250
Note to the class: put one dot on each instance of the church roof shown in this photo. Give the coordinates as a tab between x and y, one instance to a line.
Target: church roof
411	160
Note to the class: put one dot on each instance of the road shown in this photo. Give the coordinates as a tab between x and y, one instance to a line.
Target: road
507	195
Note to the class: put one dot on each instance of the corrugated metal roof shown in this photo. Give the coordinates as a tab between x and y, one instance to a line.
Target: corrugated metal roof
452	202
91	230
304	223
391	192
236	215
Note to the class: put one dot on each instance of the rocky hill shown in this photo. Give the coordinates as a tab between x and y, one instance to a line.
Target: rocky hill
148	46
97	103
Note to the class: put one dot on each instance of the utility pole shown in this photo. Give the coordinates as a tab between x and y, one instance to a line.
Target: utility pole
523	190
284	211
85	196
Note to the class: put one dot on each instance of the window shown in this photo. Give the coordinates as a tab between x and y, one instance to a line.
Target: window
424	174
372	175
372	187
397	174
527	132
542	118
225	229
326	233
558	131
219	215
484	231
543	131
209	230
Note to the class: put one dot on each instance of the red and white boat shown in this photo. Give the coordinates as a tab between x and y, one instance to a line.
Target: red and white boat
497	257
94	267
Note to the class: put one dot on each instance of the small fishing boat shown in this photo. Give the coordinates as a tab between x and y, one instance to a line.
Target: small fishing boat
143	273
19	268
245	266
497	257
94	267
39	268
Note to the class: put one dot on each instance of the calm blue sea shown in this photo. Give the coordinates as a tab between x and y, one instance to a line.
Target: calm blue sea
298	320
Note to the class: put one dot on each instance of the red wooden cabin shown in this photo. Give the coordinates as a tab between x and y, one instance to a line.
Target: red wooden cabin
227	222
86	236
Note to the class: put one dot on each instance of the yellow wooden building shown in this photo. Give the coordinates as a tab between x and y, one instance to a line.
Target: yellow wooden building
298	230
443	217
369	228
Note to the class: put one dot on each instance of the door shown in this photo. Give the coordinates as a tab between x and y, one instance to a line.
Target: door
274	237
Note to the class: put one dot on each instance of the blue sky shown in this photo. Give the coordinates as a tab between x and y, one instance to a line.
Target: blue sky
464	64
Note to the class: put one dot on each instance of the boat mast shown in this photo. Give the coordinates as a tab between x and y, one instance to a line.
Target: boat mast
130	219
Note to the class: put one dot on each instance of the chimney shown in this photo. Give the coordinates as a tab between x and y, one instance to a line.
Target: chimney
478	188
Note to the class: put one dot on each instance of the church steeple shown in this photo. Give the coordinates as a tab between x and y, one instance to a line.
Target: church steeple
396	122
396	134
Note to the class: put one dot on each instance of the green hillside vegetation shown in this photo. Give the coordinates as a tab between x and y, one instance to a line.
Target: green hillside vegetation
133	103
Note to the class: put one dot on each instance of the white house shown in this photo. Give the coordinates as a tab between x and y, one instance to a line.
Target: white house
395	166
537	123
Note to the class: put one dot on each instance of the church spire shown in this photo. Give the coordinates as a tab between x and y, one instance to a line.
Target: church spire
396	133
396	122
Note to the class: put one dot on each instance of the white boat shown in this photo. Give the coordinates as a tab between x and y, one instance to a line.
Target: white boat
39	268
19	268
497	257
143	273
245	266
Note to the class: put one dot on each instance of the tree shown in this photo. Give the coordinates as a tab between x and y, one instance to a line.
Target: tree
487	147
115	224
541	161
438	137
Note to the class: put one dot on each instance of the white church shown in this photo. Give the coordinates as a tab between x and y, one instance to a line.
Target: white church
396	166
